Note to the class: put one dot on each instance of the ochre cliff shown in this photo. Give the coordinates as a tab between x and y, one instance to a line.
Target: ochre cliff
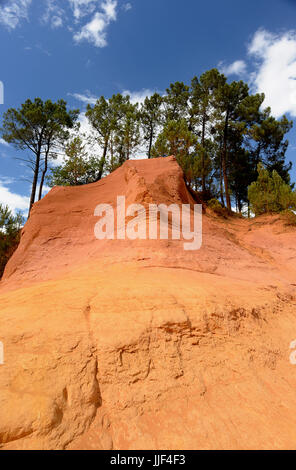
139	344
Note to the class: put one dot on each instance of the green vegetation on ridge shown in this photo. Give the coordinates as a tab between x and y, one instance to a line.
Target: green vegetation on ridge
218	131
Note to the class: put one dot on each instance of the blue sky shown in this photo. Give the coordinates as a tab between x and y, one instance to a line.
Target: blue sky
81	49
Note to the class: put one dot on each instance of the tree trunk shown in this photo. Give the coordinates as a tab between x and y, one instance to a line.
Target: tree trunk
221	182
103	161
224	163
150	143
240	206
225	178
203	178
43	176
35	180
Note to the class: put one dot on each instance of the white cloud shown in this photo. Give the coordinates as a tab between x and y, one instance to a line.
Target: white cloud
12	12
42	49
109	9
239	67
87	98
88	19
6	180
127	6
14	201
45	190
261	40
3	142
82	7
53	14
85	127
275	75
95	30
87	135
135	96
56	21
138	96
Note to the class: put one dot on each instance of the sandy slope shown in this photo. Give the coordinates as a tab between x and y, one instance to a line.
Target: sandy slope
139	344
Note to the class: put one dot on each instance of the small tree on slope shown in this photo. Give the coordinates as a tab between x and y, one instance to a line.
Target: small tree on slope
270	194
9	234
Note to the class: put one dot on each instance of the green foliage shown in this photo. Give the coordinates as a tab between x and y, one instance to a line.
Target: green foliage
267	143
217	130
9	234
201	118
217	207
177	140
270	194
40	127
176	102
116	123
203	166
150	117
126	135
35	122
289	217
214	204
77	167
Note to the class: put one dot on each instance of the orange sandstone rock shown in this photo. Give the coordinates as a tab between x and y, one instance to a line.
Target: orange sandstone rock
139	344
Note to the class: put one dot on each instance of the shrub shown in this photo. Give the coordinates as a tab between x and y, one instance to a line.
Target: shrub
270	193
217	207
9	235
289	217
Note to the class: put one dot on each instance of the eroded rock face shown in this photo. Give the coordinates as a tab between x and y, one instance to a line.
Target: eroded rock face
139	344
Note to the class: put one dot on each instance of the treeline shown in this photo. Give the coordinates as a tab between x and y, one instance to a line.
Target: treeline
217	130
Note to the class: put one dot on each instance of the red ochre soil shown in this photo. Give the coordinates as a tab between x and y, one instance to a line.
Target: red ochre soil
121	344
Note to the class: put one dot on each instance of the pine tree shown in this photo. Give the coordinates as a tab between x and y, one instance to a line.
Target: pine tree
228	99
150	115
270	193
116	122
267	143
126	134
39	127
176	102
176	139
202	94
77	167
